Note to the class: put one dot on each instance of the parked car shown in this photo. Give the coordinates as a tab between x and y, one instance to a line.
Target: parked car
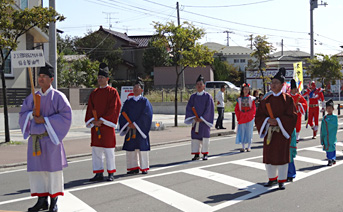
217	85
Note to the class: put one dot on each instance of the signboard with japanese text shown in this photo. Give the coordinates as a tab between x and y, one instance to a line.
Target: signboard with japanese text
126	93
27	58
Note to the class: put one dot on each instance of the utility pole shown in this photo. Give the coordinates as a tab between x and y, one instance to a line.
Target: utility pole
108	14
250	39
281	47
53	45
227	36
183	73
313	5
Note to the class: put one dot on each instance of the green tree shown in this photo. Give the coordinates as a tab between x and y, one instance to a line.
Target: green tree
261	50
78	73
223	71
101	47
13	24
66	45
155	57
325	68
185	51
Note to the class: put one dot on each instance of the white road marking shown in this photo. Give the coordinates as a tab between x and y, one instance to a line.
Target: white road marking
251	164
310	160
70	203
168	196
224	179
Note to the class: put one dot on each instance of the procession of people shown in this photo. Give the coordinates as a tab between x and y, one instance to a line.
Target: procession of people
277	117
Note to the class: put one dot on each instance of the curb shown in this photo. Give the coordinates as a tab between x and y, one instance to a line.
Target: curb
120	148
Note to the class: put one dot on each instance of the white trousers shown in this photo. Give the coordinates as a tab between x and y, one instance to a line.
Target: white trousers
202	145
46	183
137	160
274	170
98	154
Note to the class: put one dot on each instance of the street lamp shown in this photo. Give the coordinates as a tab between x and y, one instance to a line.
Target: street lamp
313	5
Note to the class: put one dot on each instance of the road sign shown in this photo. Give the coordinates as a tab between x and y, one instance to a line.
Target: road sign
27	58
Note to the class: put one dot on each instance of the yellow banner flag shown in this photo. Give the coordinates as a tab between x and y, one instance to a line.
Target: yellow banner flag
298	75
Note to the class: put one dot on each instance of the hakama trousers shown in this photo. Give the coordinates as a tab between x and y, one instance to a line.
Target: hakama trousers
98	154
137	160
274	170
43	183
291	170
202	145
331	155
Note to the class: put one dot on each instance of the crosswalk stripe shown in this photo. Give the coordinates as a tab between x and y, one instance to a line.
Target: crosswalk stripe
251	164
339	144
321	150
310	160
70	203
224	179
168	196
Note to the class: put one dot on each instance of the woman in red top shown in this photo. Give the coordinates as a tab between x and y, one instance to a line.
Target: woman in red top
245	112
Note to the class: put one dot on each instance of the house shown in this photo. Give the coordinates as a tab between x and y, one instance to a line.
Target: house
18	78
165	77
277	60
235	55
132	48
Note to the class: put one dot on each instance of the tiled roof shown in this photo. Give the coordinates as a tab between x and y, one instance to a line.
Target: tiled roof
296	53
142	40
228	50
119	35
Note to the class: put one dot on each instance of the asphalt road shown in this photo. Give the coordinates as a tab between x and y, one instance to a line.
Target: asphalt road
228	181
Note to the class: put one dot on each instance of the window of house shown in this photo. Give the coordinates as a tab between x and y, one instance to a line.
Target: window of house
242	60
8	67
236	60
24	4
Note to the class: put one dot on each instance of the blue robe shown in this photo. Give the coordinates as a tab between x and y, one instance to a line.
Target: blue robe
328	133
56	110
204	106
140	113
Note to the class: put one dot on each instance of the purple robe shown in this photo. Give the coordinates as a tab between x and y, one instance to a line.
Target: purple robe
56	110
205	108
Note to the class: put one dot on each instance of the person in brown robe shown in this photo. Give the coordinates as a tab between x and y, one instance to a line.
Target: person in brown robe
277	130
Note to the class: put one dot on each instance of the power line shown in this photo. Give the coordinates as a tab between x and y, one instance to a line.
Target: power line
234	5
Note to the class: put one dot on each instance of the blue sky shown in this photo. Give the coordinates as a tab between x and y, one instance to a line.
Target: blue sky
277	19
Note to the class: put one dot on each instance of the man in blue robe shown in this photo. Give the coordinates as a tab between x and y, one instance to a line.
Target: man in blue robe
136	126
202	104
45	153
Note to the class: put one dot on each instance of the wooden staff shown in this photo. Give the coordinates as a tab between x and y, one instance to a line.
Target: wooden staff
37	107
32	89
197	123
130	122
96	119
271	129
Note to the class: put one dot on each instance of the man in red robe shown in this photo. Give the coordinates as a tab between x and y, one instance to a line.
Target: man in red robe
315	95
300	104
102	116
276	127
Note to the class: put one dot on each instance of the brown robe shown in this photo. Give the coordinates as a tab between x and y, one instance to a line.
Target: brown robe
277	152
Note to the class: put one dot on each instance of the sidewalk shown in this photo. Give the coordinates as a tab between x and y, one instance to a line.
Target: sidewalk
77	142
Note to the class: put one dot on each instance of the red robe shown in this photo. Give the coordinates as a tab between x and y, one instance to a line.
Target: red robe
313	111
277	152
106	102
301	108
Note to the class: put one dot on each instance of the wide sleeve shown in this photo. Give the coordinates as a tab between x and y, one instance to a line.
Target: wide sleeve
143	123
58	124
25	116
322	131
288	120
189	117
261	119
110	118
302	105
237	111
89	115
123	123
208	115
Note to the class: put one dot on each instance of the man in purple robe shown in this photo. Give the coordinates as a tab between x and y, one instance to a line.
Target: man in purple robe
200	113
45	153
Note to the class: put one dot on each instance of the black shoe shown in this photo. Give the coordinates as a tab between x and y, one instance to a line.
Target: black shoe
97	177
333	162
270	183
205	157
42	204
330	163
222	128
282	186
196	157
289	179
144	172
136	171
53	204
110	177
